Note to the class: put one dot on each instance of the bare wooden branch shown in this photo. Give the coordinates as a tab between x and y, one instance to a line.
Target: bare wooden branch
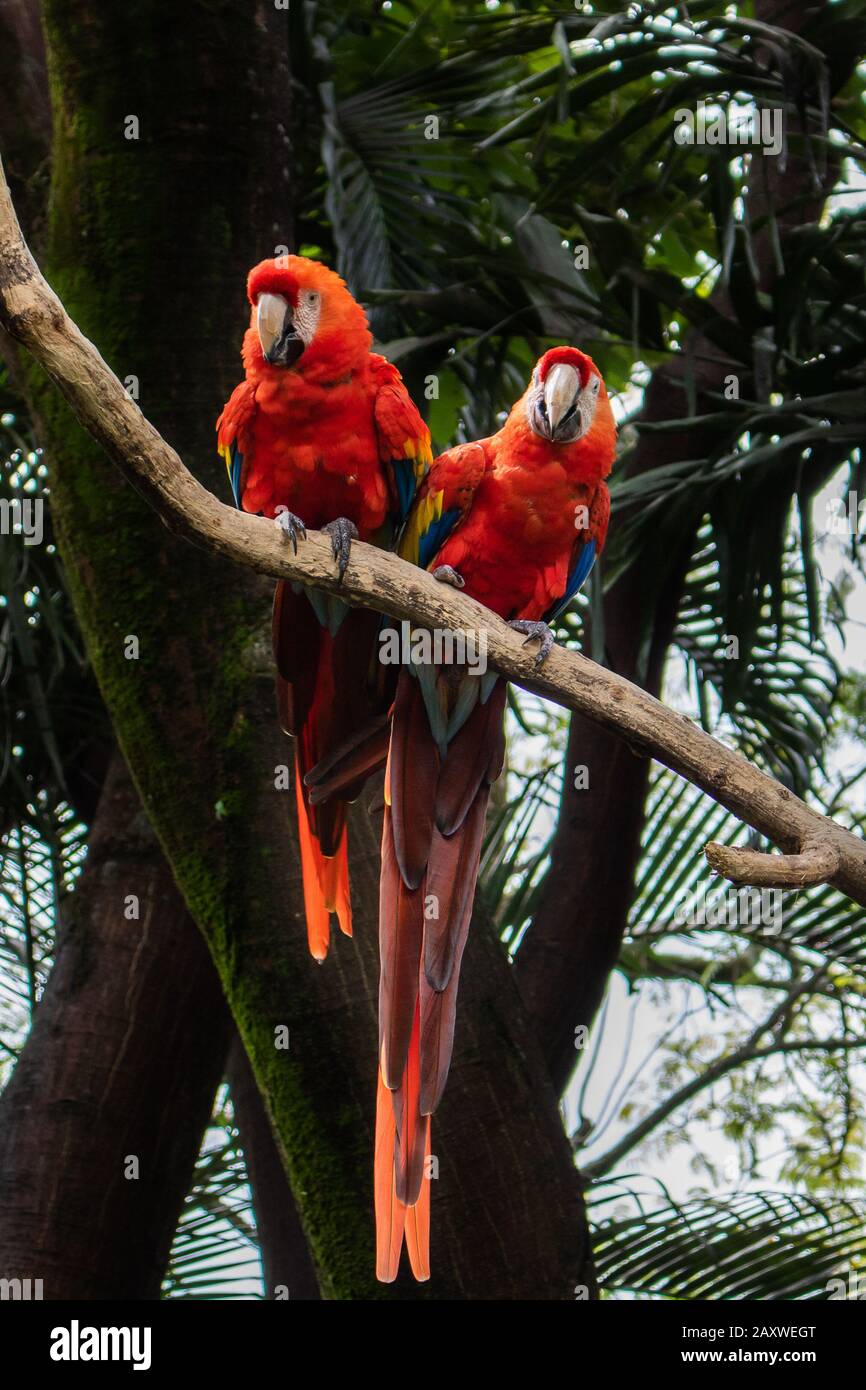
814	849
817	862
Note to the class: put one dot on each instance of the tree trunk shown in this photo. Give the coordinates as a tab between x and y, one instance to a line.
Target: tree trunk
286	1263
138	1038
25	115
102	1119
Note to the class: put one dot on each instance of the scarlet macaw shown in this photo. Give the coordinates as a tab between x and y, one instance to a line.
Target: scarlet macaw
517	521
321	433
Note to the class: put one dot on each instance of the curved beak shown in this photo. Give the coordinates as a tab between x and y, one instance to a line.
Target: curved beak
561	390
280	342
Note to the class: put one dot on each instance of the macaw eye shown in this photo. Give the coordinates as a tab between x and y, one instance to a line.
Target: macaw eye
594	384
312	298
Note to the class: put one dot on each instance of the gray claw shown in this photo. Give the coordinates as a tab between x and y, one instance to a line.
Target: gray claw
535	632
292	527
342	533
446	575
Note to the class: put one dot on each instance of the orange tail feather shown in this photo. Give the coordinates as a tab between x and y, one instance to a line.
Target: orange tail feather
324	695
390	1214
402	1136
326	882
418	1222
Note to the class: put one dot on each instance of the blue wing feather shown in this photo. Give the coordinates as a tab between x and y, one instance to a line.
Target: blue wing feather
406	483
430	523
579	574
234	462
433	540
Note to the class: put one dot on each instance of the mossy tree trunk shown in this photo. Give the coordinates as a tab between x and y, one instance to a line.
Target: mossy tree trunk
101	1122
285	1255
170	177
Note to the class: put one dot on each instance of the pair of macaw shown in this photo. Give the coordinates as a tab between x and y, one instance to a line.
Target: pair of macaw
322	433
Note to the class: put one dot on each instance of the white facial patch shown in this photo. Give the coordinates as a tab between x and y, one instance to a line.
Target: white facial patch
306	314
588	402
560	409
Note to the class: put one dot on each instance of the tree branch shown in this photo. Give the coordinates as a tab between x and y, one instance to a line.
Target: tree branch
33	316
817	863
777	1022
593	1171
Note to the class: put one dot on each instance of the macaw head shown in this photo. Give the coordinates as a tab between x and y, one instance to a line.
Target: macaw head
565	397
303	315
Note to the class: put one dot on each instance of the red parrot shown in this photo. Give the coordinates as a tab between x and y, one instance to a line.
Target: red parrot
516	521
321	433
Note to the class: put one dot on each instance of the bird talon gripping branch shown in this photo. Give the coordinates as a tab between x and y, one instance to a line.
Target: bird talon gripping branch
342	533
447	575
292	527
535	632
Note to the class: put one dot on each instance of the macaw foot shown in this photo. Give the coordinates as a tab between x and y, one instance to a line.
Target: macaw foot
535	632
446	575
292	527
342	533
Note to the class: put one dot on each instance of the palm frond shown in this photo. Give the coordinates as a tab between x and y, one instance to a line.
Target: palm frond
751	1245
215	1251
775	682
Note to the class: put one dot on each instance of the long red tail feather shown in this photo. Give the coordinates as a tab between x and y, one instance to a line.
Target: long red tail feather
432	835
348	766
324	697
